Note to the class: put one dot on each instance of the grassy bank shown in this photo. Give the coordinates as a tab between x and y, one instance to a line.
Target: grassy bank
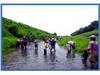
8	43
12	30
82	40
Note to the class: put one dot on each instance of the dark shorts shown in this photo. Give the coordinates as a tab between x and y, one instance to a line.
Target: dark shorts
36	45
25	43
93	58
52	47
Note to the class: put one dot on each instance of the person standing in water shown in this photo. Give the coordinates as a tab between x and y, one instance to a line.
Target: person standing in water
45	48
36	43
53	42
93	48
25	40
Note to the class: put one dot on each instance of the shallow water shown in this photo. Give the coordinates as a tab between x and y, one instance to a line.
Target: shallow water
35	60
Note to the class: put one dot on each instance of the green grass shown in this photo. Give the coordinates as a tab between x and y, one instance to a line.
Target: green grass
19	30
8	43
12	30
94	32
82	40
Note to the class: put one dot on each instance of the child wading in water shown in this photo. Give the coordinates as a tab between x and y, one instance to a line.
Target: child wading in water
23	50
84	57
45	48
36	43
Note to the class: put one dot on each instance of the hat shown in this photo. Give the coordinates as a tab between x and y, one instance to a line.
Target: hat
52	38
92	36
70	42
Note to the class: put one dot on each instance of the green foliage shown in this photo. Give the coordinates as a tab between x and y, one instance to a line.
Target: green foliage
7	43
91	27
82	40
6	33
94	32
12	30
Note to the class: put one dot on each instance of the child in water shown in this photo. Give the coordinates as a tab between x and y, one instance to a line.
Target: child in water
45	48
84	57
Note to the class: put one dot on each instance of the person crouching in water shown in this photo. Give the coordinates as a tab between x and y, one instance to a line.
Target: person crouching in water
70	48
45	48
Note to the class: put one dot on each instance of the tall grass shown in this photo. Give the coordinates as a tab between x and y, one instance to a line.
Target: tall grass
94	32
81	42
8	43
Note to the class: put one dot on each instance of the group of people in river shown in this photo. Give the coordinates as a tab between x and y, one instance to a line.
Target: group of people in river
91	52
49	43
23	44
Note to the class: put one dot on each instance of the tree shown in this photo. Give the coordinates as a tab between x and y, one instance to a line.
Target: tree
55	34
93	25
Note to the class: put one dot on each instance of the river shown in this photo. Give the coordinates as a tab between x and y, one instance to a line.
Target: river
35	60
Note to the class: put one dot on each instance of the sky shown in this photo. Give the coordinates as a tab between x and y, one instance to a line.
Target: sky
63	20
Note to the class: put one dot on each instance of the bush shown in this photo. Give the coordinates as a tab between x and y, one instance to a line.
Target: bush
7	43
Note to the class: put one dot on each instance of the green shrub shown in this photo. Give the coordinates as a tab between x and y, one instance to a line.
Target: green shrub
7	43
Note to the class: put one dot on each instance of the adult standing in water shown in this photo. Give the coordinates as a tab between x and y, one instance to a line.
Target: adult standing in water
93	48
25	40
36	43
53	42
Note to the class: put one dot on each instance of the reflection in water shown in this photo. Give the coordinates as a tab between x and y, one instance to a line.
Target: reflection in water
24	51
45	58
34	59
36	51
52	52
73	54
85	65
70	54
52	57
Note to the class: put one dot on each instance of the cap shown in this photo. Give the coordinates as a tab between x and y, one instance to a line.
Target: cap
52	38
70	42
92	36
